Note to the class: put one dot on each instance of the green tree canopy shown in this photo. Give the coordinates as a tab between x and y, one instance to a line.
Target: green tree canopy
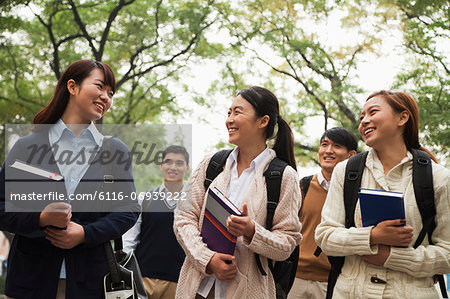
294	33
285	45
426	39
147	44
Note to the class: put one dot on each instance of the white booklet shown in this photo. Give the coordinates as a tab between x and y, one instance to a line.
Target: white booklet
36	170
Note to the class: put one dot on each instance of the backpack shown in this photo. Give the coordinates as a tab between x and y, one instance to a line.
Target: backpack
283	272
304	186
423	191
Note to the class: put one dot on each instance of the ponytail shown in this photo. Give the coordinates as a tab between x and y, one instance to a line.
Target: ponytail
284	143
266	103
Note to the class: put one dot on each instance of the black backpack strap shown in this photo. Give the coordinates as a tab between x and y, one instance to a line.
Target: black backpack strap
108	177
352	183
215	166
424	193
273	175
337	262
108	180
304	186
318	251
441	280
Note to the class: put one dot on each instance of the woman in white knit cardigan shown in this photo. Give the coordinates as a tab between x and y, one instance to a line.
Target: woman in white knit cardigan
207	274
380	261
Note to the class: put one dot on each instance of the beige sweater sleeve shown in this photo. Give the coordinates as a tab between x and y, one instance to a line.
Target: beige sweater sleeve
424	261
427	260
187	219
278	243
331	235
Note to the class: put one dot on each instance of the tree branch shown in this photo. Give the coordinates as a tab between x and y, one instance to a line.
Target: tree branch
305	86
16	88
336	87
303	55
349	63
309	149
235	80
193	40
132	104
111	18
413	16
68	38
335	82
143	48
305	147
55	63
132	67
421	50
84	31
158	6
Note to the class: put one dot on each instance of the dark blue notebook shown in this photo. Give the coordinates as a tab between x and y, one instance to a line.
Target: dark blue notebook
380	205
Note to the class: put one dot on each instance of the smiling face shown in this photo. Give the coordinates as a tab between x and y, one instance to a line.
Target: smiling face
331	153
90	100
244	127
379	124
174	167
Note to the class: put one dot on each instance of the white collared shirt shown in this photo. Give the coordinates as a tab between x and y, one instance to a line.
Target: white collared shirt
63	141
131	237
235	192
239	184
322	181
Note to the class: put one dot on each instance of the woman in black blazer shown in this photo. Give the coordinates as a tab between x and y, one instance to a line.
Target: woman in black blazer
57	251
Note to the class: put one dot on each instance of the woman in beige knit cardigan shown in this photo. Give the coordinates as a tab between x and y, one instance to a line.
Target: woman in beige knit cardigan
380	261
207	274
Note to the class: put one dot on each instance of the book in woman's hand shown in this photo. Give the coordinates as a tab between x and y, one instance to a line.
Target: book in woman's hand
379	205
214	229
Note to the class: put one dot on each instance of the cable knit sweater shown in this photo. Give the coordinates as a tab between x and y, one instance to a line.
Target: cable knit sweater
407	271
276	244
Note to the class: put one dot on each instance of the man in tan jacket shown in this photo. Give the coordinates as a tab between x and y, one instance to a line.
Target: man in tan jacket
336	145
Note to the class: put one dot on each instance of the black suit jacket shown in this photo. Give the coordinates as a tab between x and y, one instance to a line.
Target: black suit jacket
34	264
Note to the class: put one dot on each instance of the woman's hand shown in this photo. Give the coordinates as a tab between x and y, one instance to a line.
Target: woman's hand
66	238
223	266
57	214
241	225
380	258
391	232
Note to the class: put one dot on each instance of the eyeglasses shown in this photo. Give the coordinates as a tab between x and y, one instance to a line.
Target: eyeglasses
178	163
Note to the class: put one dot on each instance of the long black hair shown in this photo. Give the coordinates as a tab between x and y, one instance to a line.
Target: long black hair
266	103
78	71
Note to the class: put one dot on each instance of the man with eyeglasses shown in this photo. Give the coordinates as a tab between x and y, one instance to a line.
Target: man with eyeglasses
159	255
